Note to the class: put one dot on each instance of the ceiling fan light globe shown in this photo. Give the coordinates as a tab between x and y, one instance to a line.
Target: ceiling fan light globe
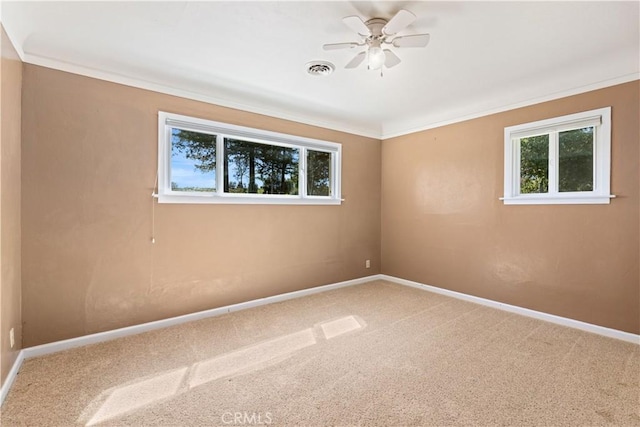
375	58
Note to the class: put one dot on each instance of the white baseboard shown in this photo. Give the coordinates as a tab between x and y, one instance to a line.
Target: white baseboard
55	347
576	324
11	377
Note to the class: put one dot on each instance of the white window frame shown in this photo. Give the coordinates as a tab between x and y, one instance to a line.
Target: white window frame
167	121
600	119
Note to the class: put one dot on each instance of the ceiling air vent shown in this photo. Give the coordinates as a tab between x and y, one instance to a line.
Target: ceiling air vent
320	68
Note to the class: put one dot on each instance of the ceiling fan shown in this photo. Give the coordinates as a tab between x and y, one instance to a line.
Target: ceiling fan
377	32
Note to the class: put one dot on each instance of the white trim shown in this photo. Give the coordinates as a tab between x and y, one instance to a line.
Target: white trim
168	121
158	324
55	347
409	129
11	377
371	131
245	199
598	119
16	46
309	119
567	200
558	320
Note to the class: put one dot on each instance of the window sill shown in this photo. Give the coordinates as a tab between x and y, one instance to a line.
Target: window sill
558	200
246	200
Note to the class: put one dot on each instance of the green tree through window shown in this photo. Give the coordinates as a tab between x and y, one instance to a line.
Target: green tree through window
575	160
534	164
203	161
318	173
266	169
559	160
195	152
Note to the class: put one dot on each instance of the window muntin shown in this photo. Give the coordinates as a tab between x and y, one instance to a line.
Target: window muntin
201	161
559	161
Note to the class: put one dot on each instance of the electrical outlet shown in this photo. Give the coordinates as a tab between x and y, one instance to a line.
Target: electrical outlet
367	263
12	338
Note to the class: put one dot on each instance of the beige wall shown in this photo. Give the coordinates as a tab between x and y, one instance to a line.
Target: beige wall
10	286
443	225
89	165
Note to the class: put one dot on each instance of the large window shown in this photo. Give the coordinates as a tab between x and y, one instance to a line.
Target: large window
563	160
200	161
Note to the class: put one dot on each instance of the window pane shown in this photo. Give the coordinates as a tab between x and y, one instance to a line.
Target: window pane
318	173
575	171
260	168
193	161
534	164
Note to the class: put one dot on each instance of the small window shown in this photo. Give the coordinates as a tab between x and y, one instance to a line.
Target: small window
565	160
202	161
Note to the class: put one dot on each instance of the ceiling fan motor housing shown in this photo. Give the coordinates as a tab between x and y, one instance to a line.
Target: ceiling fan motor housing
375	26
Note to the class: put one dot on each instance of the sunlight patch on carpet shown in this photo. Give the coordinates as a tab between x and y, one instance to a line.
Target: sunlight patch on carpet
340	326
139	394
250	358
134	395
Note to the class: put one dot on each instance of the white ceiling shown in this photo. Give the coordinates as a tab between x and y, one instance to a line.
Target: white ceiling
483	56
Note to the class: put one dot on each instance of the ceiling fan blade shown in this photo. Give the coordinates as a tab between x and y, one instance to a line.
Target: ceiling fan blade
357	60
417	40
401	20
356	24
391	59
335	46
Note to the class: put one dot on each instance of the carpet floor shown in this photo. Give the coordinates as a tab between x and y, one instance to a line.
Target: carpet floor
374	354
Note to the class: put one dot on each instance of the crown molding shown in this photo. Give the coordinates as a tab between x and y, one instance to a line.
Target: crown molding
139	83
416	126
16	46
340	126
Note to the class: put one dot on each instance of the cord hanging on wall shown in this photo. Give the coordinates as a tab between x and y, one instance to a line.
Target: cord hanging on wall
154	195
